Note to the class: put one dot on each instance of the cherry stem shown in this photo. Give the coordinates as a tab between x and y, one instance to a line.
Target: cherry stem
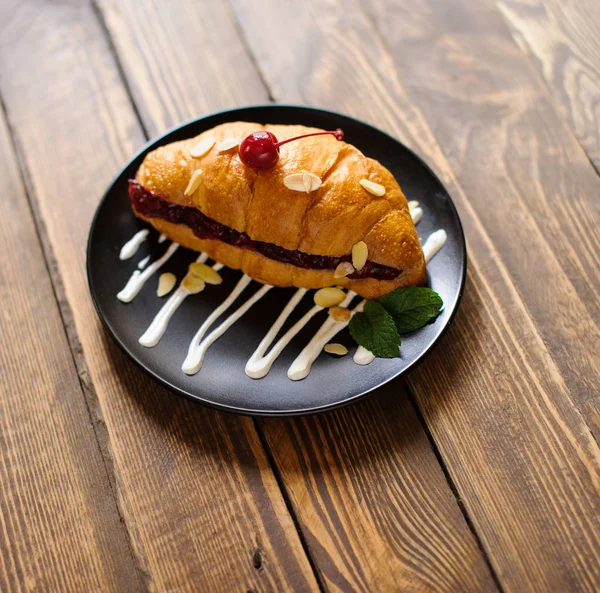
339	134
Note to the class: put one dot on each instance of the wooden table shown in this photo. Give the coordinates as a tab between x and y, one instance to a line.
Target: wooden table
480	473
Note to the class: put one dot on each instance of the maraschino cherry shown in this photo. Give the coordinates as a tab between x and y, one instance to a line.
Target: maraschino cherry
260	150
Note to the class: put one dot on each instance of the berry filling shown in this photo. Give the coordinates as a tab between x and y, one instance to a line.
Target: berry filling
151	205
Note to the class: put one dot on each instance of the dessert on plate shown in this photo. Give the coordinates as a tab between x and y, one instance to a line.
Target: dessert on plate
288	205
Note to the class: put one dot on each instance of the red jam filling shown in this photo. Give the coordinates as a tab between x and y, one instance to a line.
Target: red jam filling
151	205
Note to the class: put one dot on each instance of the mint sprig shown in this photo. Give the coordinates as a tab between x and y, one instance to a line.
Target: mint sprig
379	326
375	330
412	307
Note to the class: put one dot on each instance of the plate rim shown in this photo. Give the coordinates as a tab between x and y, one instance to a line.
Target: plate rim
272	413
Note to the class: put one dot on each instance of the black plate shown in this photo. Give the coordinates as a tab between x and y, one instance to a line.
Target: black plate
221	382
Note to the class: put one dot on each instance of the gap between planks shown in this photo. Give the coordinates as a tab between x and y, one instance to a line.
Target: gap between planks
453	488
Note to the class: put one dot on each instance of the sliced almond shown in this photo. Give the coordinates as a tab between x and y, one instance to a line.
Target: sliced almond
343	269
193	284
372	187
194	182
303	181
227	144
329	297
413	204
202	147
205	273
338	349
360	254
340	314
306	181
166	282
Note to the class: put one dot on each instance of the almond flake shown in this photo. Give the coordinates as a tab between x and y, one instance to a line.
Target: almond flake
166	282
227	144
338	349
205	273
340	314
329	297
303	181
202	147
193	284
194	182
372	187
306	181
360	254
413	204
343	269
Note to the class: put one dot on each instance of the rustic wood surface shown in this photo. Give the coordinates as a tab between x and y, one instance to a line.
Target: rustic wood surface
480	473
562	39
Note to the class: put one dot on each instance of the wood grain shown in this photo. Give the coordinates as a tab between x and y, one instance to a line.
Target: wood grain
59	524
374	506
563	38
196	493
533	189
181	60
372	500
496	401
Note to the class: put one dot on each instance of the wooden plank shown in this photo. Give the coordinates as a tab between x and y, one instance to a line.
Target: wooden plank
563	40
372	500
60	528
524	462
374	506
202	507
181	60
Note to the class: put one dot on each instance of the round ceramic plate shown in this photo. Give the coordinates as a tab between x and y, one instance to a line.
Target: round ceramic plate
222	382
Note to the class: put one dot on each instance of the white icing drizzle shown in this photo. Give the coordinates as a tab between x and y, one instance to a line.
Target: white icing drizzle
157	328
162	238
259	365
301	366
130	248
362	356
197	350
434	243
138	279
144	263
416	214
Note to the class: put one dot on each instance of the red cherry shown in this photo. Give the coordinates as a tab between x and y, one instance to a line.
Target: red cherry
260	150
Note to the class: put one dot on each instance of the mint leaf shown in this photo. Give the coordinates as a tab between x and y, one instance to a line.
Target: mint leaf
411	307
374	329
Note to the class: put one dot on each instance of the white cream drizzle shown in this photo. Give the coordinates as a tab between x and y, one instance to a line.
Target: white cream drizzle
144	263
197	350
416	214
301	366
363	356
434	243
259	363
130	248
138	279
157	328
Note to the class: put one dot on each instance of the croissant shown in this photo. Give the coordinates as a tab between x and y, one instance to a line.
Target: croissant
252	220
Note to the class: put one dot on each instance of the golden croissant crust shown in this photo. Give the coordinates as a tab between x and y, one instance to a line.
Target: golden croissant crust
256	206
